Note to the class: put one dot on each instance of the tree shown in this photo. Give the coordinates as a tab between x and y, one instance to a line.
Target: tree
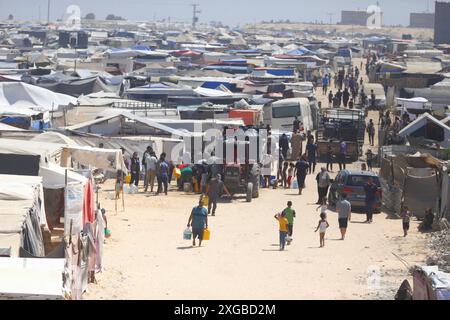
113	17
90	16
10	17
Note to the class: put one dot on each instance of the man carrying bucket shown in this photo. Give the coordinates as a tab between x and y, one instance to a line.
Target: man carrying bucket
199	221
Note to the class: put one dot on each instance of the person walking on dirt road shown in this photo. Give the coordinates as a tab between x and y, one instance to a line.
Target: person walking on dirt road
344	209
199	221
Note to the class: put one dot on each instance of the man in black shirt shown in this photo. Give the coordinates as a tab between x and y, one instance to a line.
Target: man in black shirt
371	192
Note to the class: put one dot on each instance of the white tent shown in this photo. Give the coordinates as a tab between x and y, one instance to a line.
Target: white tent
19	188
19	94
5	127
27	278
58	153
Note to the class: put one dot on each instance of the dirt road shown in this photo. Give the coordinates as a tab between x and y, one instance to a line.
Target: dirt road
147	258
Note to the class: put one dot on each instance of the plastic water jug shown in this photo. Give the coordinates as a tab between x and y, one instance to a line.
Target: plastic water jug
126	189
134	189
206	234
187	187
205	199
187	234
295	184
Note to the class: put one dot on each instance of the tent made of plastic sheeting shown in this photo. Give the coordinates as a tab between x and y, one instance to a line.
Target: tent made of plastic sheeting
80	87
428	127
407	105
53	152
31	279
23	217
131	144
106	159
125	122
54	176
54	137
46	151
33	186
5	127
431	284
421	190
25	95
205	92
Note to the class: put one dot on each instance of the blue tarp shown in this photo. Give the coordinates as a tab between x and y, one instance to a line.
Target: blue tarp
216	84
124	34
229	69
235	61
281	72
344	52
141	48
20	122
299	52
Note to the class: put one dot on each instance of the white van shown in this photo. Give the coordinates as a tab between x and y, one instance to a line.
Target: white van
280	115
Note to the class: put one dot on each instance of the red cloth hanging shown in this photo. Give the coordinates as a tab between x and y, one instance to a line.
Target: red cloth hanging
89	203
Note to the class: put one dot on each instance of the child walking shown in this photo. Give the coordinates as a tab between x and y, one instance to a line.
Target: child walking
322	226
283	221
323	207
406	217
290	174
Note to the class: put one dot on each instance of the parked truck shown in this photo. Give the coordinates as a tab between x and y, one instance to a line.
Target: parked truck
336	125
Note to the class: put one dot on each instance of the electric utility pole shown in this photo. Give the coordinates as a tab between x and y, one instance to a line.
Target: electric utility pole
195	12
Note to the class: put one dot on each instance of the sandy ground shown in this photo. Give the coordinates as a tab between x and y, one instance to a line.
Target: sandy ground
147	258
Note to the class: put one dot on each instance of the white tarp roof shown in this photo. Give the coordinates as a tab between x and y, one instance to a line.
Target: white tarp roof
54	176
20	190
28	278
419	122
95	157
107	159
5	127
205	92
24	147
54	137
128	115
19	94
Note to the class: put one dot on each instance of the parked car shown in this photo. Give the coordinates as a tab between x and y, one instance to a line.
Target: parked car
352	183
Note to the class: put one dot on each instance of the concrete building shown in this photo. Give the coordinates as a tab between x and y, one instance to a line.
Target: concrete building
358	18
442	23
421	20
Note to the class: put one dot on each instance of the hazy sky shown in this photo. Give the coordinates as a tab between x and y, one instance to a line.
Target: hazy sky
231	12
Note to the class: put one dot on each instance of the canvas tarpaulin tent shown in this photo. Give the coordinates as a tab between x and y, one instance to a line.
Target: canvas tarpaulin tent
59	153
411	178
421	190
27	278
80	87
106	159
20	94
431	284
21	214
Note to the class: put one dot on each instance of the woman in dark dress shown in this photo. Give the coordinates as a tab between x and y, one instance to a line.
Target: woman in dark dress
301	170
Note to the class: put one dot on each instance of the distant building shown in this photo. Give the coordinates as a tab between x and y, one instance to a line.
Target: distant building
421	20
442	23
73	39
358	18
